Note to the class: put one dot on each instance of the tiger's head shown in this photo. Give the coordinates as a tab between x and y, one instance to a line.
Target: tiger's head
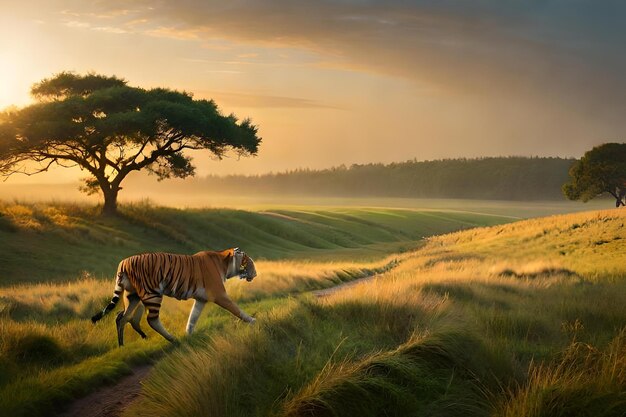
245	265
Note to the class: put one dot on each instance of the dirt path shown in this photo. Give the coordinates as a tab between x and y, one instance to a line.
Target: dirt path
111	401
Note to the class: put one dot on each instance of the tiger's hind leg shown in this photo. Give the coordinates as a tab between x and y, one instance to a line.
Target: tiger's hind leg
136	320
131	301
153	304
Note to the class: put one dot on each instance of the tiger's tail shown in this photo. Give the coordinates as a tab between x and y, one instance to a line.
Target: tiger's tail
116	298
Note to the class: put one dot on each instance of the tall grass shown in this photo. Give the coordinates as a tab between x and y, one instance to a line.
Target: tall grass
590	243
582	381
245	373
46	334
429	374
474	323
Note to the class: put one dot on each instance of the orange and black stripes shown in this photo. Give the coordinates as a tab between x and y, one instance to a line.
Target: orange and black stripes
152	275
153	304
117	293
163	273
145	279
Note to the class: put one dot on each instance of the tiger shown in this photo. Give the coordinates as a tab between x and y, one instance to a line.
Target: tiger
144	279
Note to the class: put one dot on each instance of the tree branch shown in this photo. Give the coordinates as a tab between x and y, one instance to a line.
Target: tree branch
28	174
163	150
82	162
138	154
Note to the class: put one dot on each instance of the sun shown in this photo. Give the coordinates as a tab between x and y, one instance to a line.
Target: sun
14	83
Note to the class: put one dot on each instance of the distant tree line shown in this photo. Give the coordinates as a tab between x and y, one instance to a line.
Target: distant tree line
501	178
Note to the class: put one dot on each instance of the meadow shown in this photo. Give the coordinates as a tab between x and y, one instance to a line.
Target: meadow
524	318
58	261
31	234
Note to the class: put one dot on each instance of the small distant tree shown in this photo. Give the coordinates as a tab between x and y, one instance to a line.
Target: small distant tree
109	129
601	170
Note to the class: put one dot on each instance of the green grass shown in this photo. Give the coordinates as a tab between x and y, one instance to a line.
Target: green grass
426	375
46	334
581	381
44	242
36	386
263	364
485	322
504	320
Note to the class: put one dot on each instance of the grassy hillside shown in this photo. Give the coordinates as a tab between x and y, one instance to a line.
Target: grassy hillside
525	319
522	319
50	351
40	242
48	348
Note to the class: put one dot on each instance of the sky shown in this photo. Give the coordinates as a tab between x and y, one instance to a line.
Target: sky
335	82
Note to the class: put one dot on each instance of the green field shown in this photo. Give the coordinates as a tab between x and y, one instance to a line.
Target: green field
523	318
44	242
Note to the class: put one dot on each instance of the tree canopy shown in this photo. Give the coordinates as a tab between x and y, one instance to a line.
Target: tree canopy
601	170
110	129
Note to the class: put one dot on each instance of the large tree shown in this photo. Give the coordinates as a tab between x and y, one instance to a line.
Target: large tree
109	129
601	170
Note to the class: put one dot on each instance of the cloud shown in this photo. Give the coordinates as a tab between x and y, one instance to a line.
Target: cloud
564	58
86	25
243	100
174	33
476	47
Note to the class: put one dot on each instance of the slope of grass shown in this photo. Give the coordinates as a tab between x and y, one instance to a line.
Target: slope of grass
581	381
591	243
473	323
47	339
493	321
41	242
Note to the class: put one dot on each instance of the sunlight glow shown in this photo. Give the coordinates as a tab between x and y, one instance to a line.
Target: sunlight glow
14	85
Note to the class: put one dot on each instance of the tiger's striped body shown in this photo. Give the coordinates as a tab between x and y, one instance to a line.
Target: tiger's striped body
145	279
178	276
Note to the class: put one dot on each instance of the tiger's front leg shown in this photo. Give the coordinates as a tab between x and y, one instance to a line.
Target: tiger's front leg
198	305
225	302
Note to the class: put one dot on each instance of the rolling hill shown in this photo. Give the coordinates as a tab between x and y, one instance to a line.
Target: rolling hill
518	319
42	241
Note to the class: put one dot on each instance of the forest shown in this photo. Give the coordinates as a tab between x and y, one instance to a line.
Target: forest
495	178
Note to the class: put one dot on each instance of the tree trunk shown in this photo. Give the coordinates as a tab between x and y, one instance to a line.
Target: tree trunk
620	197
110	201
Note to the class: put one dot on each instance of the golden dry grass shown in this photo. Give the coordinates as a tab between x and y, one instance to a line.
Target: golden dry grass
45	328
496	304
503	297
